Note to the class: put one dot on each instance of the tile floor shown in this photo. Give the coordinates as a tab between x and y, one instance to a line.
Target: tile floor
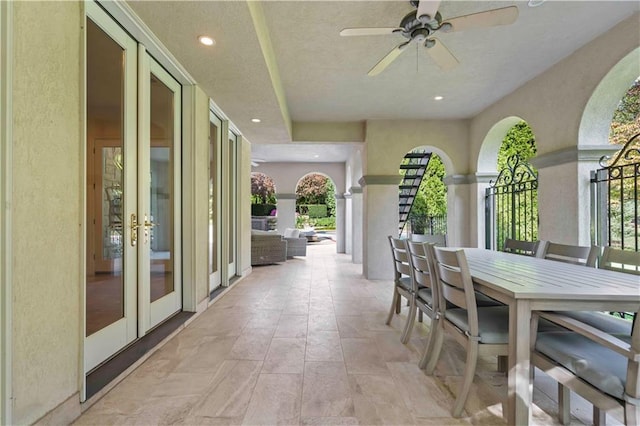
305	343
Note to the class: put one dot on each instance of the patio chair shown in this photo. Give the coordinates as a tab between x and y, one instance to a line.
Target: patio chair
601	367
402	282
527	248
618	260
580	255
425	295
480	330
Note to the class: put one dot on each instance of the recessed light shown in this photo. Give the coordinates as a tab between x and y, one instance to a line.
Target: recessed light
256	120
316	156
438	98
206	40
535	3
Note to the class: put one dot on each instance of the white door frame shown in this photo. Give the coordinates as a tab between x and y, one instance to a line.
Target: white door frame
104	343
232	198
152	313
6	38
215	278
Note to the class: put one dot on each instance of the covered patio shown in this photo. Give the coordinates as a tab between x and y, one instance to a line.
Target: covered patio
305	342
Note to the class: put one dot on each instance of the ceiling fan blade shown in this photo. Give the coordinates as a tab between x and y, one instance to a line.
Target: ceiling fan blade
386	61
428	8
490	18
367	31
441	55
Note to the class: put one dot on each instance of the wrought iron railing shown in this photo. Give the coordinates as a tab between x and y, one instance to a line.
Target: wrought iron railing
511	205
615	194
429	225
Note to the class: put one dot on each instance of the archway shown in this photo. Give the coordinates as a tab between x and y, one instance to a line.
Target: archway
316	209
263	202
511	197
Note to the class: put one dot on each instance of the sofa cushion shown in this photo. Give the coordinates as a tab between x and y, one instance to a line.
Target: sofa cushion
257	234
291	233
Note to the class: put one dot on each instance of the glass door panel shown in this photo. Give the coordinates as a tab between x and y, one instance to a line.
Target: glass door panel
233	200
160	205
110	281
215	137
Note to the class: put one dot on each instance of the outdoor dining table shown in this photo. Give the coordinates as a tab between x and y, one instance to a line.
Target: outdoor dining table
528	284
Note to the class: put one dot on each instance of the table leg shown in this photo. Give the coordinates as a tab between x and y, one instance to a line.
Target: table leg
520	386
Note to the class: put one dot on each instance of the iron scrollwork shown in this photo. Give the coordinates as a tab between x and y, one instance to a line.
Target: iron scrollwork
628	152
517	172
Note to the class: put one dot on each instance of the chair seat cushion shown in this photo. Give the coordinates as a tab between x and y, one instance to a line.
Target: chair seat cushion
592	362
493	323
483	300
405	282
602	321
426	295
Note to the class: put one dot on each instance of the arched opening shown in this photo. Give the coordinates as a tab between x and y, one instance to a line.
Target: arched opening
263	202
616	184
316	207
511	200
423	196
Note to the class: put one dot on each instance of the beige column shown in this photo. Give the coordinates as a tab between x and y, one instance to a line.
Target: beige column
380	203
340	221
563	192
356	224
286	211
348	224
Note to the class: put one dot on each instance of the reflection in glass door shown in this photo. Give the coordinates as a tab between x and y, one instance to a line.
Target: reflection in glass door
215	137
110	188
233	200
159	197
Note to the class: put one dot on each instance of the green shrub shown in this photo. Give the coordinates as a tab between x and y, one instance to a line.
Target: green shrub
262	209
313	210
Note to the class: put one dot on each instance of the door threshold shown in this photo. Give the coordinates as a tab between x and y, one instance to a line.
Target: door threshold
109	370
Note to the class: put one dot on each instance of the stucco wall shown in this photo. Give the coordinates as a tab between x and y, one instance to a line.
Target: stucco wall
287	175
46	206
389	141
553	102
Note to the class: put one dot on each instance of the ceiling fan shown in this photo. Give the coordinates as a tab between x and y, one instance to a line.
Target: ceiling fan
420	25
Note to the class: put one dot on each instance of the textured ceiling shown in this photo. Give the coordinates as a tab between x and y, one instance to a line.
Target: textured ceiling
324	76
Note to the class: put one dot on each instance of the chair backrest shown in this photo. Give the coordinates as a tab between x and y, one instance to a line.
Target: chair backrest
455	284
400	257
621	260
439	240
420	268
527	248
579	255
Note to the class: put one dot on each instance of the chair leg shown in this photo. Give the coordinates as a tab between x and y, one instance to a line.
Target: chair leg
503	364
469	372
564	404
420	316
398	303
411	318
631	414
600	417
428	348
394	304
430	361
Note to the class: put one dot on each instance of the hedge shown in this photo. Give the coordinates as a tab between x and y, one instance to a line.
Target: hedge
262	209
313	210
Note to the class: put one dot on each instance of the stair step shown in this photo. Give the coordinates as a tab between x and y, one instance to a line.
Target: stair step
411	166
417	155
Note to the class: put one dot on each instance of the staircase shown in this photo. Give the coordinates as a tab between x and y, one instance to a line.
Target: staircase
412	168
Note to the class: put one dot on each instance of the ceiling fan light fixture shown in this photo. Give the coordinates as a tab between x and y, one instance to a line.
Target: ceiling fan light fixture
429	43
445	27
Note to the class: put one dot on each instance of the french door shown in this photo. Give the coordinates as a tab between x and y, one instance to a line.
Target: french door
233	203
133	275
215	179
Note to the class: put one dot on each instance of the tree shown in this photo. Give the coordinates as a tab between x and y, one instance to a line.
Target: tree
626	118
518	140
330	198
262	189
312	189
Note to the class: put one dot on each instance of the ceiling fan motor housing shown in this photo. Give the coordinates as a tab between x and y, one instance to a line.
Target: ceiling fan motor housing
412	28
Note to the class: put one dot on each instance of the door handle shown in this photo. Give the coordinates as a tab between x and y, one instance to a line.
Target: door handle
133	226
147	227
